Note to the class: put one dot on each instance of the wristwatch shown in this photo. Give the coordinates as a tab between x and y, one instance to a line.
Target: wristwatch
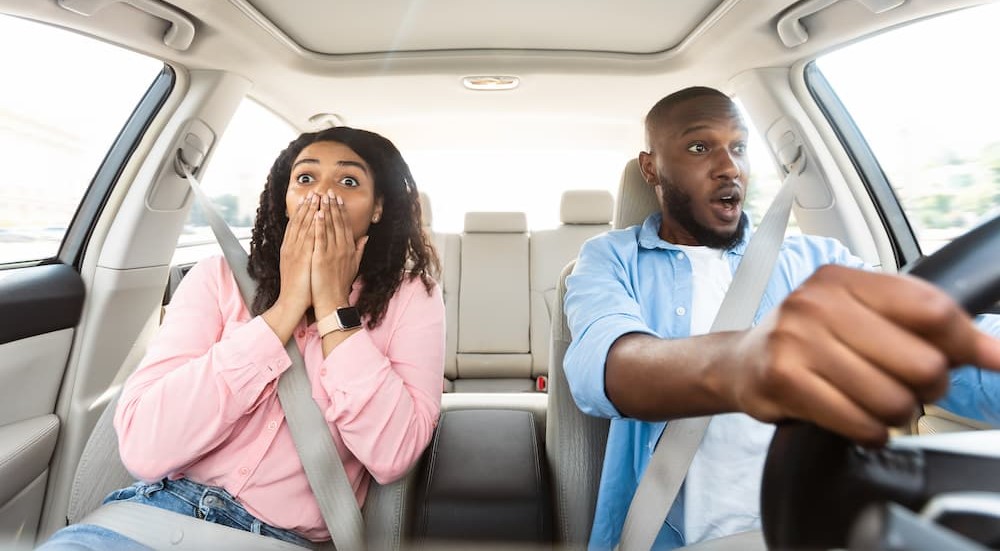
342	319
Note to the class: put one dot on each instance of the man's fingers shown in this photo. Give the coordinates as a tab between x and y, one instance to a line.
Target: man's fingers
904	299
825	314
876	391
938	320
894	351
985	351
814	399
913	305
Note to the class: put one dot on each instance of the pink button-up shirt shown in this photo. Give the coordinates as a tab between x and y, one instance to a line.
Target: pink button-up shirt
203	404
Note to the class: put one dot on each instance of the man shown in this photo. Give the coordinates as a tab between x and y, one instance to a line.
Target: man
851	350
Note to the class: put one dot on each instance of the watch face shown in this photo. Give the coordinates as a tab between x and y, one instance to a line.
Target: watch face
349	317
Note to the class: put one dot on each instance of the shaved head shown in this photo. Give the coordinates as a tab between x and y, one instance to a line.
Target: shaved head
660	112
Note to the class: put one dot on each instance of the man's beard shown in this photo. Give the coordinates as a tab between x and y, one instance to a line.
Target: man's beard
679	208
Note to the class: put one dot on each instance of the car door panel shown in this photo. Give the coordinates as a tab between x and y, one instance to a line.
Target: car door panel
25	449
38	300
39	306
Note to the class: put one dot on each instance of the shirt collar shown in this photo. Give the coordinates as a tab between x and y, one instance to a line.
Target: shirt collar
649	234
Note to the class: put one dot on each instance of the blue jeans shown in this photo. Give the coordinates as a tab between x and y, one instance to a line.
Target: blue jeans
180	496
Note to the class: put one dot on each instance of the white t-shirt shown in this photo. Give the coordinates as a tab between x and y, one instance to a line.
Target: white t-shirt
722	488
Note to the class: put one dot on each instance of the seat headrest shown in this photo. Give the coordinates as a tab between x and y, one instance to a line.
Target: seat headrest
586	206
636	198
495	222
426	216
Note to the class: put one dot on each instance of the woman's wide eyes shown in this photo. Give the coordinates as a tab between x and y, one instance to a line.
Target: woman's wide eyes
348	181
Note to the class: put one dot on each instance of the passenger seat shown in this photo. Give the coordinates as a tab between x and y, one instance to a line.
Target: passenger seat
575	441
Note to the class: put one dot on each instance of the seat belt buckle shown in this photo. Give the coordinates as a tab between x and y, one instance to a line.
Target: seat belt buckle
542	383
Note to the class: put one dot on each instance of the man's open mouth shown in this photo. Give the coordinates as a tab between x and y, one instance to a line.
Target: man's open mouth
730	196
726	203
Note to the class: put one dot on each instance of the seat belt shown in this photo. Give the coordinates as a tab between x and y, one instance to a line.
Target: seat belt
668	467
162	529
310	433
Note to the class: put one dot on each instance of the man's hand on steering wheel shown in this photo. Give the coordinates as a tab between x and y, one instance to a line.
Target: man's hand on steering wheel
855	352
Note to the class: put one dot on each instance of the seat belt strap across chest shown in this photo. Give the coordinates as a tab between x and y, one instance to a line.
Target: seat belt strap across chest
679	442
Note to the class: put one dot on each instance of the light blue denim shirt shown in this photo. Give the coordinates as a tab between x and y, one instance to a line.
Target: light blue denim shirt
631	281
975	393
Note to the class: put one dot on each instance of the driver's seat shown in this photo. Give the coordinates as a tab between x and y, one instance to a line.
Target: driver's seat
575	441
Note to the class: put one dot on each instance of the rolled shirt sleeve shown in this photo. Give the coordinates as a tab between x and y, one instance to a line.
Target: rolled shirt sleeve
600	307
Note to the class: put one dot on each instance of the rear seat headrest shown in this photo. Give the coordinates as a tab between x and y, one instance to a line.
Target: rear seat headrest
495	222
586	206
426	216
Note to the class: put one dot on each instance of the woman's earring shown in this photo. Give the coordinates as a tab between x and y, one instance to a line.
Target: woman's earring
375	219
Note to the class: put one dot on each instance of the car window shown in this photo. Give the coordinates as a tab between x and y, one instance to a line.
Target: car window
235	176
63	101
924	98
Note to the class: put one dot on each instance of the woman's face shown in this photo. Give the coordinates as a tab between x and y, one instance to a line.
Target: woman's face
332	166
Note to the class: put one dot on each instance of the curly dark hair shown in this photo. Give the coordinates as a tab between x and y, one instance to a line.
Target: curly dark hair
397	247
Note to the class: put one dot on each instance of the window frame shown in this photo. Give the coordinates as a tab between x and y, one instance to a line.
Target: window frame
905	247
81	226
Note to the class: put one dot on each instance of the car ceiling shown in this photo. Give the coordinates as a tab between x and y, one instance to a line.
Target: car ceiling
359	26
588	70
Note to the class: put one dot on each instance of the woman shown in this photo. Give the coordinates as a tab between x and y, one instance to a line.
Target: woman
337	236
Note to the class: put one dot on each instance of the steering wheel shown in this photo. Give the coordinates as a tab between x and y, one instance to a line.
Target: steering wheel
819	490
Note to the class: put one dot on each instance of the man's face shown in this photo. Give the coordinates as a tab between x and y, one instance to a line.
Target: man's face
698	164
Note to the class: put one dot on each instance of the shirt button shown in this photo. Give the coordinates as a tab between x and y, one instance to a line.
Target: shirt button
322	372
679	256
302	333
680	311
244	471
272	425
